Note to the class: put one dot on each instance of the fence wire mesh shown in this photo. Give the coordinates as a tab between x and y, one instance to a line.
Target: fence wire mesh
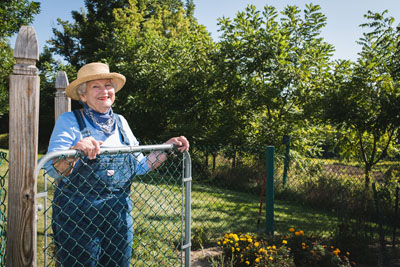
3	210
105	212
321	196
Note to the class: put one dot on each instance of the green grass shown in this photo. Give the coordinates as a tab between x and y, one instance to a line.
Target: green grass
157	220
219	211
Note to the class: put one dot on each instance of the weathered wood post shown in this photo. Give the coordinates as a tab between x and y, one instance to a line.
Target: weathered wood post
23	146
62	103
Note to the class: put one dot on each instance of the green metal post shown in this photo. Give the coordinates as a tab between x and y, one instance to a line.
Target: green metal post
270	190
286	141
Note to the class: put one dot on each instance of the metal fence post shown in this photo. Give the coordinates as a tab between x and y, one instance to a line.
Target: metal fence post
23	145
286	141
187	179
270	190
62	103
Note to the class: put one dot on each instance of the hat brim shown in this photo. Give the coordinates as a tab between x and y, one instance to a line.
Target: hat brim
117	79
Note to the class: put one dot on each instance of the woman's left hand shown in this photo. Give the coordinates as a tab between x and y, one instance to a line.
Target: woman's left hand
181	142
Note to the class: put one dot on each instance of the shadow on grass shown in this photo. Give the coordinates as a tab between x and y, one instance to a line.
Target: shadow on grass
218	211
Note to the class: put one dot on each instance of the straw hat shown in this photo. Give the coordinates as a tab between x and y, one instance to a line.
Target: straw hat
94	71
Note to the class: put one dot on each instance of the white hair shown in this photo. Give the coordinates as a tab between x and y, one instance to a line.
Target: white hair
81	89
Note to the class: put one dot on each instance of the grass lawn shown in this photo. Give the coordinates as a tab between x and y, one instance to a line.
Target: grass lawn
219	211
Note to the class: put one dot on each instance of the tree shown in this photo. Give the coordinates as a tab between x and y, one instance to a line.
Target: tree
266	71
14	14
363	98
91	37
165	56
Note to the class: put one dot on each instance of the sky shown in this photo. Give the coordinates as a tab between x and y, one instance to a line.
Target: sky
342	29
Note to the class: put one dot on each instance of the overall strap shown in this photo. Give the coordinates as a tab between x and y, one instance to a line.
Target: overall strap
82	125
124	137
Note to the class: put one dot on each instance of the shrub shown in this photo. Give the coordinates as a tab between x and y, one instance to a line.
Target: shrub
4	141
293	249
248	250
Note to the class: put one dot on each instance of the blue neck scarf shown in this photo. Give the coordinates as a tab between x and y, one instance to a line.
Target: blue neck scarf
101	121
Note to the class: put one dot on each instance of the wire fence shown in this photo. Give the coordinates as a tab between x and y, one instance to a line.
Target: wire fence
324	197
3	206
111	212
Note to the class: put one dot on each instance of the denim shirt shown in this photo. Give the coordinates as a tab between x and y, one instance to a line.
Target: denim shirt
66	134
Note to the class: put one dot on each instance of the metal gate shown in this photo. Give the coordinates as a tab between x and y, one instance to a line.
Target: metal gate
158	212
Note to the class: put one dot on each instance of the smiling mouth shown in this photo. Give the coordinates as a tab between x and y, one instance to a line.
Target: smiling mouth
104	98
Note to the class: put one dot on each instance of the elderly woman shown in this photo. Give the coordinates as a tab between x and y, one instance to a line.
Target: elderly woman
91	220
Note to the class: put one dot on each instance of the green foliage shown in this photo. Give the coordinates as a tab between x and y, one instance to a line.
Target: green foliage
200	238
14	14
266	71
6	57
166	63
4	141
294	249
362	99
250	250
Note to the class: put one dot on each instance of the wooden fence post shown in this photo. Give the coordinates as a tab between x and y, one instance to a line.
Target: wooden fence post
62	103
23	149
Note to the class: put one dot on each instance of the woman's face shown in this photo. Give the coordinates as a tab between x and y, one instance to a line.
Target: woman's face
99	95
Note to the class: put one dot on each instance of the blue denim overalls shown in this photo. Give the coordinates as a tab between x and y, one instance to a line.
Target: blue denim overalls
91	219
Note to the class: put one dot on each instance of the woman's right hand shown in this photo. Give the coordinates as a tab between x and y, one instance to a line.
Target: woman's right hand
89	146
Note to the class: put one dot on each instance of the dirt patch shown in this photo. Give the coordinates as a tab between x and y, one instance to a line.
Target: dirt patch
347	170
201	258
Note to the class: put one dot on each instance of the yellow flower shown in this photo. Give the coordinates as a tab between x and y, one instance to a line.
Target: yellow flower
284	242
273	247
249	240
235	237
238	249
247	262
257	260
301	232
291	229
233	249
297	233
336	251
271	258
219	243
303	244
256	244
348	253
224	243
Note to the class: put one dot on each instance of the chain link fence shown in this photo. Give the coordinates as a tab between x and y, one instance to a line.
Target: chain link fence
111	211
324	197
3	204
